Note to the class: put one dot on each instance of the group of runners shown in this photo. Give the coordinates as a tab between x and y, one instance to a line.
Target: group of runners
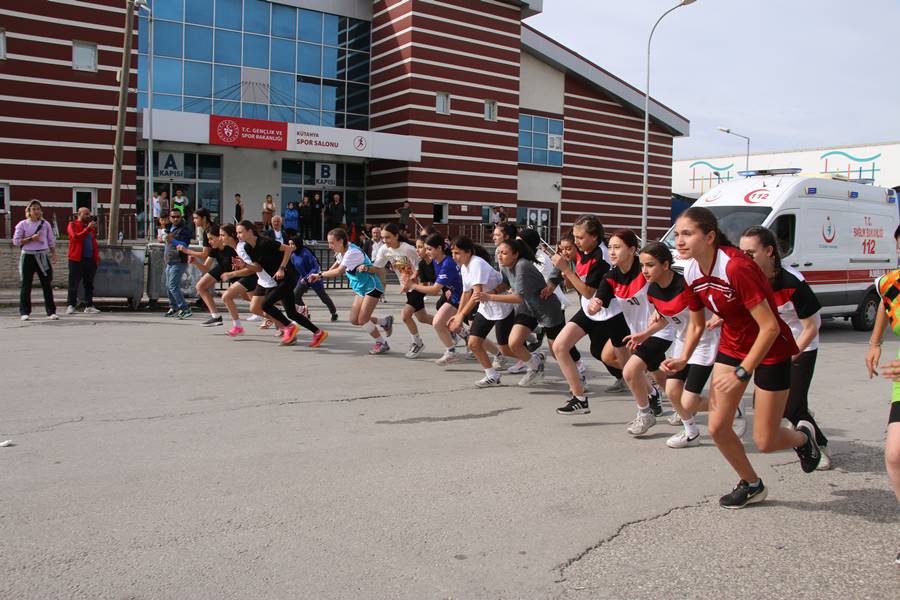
732	315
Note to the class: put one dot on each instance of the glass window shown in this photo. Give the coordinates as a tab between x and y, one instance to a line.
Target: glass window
540	140
284	55
357	98
256	16
329	119
167	39
332	63
227	83
168	9
198	43
525	122
442	103
190	166
166	102
307	117
556	126
309	59
311	26
281	113
256	51
525	138
291	171
143	35
197	105
358	67
356	175
540	157
555	159
228	14
281	89
210	166
309	174
284	21
209	196
84	56
255	111
142	101
228	47
309	95
524	155
490	110
199	12
331	35
358	35
357	122
166	76
143	62
333	96
197	79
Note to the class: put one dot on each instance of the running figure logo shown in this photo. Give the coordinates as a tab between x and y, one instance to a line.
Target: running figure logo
359	143
228	131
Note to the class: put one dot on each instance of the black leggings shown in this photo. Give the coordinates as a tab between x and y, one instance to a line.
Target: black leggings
284	293
797	407
29	268
320	292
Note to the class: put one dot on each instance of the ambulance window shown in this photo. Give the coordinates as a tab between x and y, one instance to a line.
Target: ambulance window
784	228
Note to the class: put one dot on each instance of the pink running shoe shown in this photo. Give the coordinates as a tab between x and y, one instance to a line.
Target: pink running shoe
290	334
320	336
380	348
235	331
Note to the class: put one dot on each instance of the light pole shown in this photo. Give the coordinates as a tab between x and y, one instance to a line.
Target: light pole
729	131
645	192
124	80
148	189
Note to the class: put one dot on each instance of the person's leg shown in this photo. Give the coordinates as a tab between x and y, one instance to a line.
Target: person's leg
768	433
476	345
28	267
722	408
325	298
285	294
563	343
797	407
46	280
180	268
517	342
235	290
635	373
89	272
424	317
203	290
74	279
270	305
364	317
170	274
440	325
406	315
892	450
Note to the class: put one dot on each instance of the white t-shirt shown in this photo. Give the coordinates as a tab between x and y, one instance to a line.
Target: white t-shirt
351	259
479	272
263	279
403	258
156	206
376	246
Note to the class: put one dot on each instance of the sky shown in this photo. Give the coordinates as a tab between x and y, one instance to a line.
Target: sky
789	74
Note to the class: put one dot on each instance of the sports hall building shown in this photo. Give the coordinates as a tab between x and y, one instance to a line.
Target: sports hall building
453	105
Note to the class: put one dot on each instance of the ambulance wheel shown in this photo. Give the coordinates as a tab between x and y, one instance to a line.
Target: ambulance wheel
864	317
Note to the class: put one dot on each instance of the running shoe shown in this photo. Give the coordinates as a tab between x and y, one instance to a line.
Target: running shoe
455	339
488	381
213	321
235	331
825	463
92	310
447	358
618	387
674	420
53	317
379	348
388	325
414	350
743	494
24	317
739	425
318	338
171	313
290	335
267	324
574	407
642	423
533	374
655	403
809	453
681	440
254	318
334	317
519	367
70	310
499	362
185	313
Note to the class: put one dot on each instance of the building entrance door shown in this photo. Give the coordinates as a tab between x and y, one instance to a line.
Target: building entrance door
539	220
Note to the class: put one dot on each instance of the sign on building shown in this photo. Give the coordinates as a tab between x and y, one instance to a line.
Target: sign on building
171	165
326	174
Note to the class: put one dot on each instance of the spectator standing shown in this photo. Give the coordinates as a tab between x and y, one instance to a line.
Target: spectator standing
317	208
177	234
268	211
35	236
180	202
403	215
238	209
306	218
276	230
334	213
292	219
155	206
84	257
164	203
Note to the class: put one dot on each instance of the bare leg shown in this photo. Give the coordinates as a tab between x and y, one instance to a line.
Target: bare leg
440	324
635	373
476	345
892	457
516	347
203	289
721	414
564	342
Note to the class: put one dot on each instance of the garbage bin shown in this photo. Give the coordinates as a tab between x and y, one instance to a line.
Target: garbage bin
156	274
120	274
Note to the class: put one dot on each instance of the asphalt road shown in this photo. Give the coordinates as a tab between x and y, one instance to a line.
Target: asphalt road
158	459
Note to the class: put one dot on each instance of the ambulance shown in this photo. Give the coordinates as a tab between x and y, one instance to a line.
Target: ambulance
838	233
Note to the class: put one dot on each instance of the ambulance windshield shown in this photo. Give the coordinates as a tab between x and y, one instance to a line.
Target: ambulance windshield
733	220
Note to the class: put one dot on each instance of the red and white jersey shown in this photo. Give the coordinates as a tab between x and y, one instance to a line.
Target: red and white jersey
592	269
734	285
796	300
673	303
630	289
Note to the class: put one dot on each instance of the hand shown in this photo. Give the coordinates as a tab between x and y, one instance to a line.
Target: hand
714	321
454	323
634	340
560	262
872	358
891	370
670	366
92	225
594	306
53	258
313	277
182	249
547	291
727	382
362	268
654	318
191	260
225	276
279	274
35	237
480	296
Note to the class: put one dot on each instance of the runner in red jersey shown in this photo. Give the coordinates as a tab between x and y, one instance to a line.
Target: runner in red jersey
722	278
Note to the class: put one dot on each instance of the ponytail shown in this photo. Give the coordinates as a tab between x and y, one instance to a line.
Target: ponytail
468	246
706	221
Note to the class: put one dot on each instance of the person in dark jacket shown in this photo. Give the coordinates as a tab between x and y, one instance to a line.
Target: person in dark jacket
292	217
306	263
178	234
84	257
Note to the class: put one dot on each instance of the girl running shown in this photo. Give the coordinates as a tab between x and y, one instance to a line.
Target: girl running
306	263
799	308
480	281
626	282
423	273
219	261
351	261
448	286
755	343
243	286
403	260
668	293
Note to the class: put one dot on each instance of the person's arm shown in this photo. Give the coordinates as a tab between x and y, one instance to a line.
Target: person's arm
76	235
204	266
201	255
432	289
466	303
636	339
695	328
768	332
875	341
810	330
285	259
51	242
19	235
566	271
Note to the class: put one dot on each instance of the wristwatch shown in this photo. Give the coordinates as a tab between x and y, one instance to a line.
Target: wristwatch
742	373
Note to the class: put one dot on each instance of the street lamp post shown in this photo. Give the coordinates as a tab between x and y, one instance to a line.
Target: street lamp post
148	189
124	80
645	192
729	131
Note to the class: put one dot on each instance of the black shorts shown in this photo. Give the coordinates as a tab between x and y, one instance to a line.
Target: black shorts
616	328
416	300
481	326
653	352
216	273
526	320
894	416
772	378
694	377
376	293
249	282
260	291
442	300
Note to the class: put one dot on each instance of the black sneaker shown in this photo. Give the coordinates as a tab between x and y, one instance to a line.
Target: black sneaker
655	404
743	494
334	317
213	321
809	453
171	313
574	407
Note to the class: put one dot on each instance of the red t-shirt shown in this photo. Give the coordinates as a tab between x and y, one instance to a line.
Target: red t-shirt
734	285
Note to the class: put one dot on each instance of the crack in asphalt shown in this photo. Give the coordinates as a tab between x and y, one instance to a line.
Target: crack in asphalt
465	417
49	427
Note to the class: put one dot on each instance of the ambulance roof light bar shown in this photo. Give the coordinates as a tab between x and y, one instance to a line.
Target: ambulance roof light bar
862	180
790	171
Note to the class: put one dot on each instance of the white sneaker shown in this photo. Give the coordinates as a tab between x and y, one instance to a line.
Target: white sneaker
533	374
499	362
414	350
739	425
253	318
447	358
519	367
619	387
674	420
92	310
24	317
642	423
681	440
825	461
53	317
488	381
70	310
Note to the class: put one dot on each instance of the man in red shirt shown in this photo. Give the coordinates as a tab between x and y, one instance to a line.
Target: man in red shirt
84	256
